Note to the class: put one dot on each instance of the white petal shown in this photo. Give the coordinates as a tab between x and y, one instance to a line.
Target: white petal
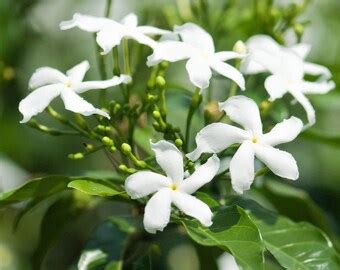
151	30
38	100
193	207
171	51
242	167
276	87
142	38
85	22
46	75
77	104
264	54
143	183
229	72
199	72
244	111
216	137
305	103
202	175
130	20
314	69
91	85
228	55
284	132
77	73
322	87
279	162
227	262
170	159
301	49
109	37
157	211
196	36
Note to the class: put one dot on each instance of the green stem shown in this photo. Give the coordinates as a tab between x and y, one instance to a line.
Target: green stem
233	87
115	55
108	8
195	102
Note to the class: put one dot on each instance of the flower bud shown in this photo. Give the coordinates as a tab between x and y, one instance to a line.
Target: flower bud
156	114
126	148
299	29
107	141
160	82
164	64
178	142
113	149
240	47
76	156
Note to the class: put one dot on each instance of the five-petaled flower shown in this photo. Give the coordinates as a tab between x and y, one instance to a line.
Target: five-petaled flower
288	68
110	33
198	47
50	83
216	137
171	188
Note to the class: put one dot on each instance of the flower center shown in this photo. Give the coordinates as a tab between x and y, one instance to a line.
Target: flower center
68	84
173	187
254	140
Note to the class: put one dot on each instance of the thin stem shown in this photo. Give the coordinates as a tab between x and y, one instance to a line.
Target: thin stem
108	8
262	171
115	55
195	102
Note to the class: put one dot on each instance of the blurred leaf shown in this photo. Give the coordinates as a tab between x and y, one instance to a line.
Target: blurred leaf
91	258
294	203
41	187
114	265
232	231
321	138
294	245
94	187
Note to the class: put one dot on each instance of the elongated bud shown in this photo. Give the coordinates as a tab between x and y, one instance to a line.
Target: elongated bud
107	141
126	148
240	47
123	168
76	156
113	149
160	82
88	147
196	99
299	29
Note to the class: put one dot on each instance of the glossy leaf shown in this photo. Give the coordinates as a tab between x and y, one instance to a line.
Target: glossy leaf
94	187
232	231
294	245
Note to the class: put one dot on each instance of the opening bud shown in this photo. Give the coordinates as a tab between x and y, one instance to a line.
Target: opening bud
240	47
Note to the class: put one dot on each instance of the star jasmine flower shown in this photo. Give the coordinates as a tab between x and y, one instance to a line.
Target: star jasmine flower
171	189
288	68
48	83
110	33
216	137
198	47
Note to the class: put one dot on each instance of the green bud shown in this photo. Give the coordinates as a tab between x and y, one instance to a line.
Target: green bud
126	148
76	156
164	64
113	149
178	142
156	114
156	126
150	84
141	164
123	168
151	98
89	147
107	141
160	82
107	129
100	128
299	29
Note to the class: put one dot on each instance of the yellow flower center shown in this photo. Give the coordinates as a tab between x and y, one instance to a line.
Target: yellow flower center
68	84
173	187
254	140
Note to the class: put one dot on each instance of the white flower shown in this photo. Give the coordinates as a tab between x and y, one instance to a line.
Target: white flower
50	83
171	189
110	33
198	47
227	262
216	137
287	66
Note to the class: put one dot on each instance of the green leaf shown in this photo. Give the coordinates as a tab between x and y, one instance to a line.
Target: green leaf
204	197
232	231
294	245
294	203
94	187
40	187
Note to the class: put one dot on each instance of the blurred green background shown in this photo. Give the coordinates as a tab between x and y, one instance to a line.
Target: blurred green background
30	38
